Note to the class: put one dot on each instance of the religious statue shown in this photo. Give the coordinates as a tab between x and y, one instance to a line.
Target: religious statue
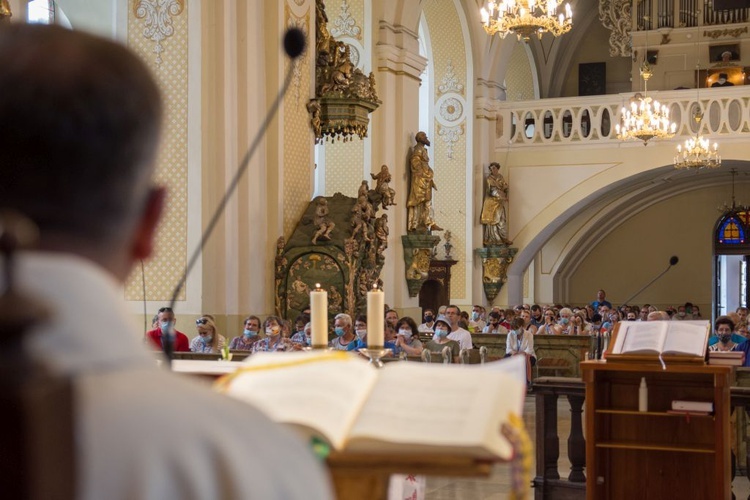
383	188
313	107
358	224
419	204
321	220
494	216
381	234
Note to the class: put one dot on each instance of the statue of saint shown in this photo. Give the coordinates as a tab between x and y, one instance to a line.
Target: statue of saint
419	204
494	216
321	220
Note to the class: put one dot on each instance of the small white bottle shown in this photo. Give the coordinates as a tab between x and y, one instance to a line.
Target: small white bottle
643	396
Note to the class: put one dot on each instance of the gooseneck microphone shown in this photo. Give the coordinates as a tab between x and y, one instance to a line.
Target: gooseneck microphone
673	260
294	45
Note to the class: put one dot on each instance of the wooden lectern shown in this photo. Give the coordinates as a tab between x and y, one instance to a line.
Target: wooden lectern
656	453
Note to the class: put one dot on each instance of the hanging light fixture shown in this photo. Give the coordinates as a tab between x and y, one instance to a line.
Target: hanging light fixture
696	152
646	119
524	18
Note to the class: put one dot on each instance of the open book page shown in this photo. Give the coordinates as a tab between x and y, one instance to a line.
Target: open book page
514	366
321	391
686	337
640	336
440	407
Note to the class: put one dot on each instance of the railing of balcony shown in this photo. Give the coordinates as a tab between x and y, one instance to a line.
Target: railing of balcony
683	14
591	120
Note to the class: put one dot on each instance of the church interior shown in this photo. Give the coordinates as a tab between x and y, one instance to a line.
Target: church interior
584	209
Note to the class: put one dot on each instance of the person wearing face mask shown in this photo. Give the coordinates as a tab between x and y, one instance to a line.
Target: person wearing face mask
164	320
520	342
208	339
494	325
303	336
723	332
477	323
360	330
440	340
564	326
429	322
342	327
274	340
722	324
407	338
251	329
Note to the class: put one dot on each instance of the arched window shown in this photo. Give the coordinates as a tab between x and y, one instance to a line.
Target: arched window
731	259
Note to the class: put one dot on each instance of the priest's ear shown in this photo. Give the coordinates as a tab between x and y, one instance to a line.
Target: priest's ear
145	231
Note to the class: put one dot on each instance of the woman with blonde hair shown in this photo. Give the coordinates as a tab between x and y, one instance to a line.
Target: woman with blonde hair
208	339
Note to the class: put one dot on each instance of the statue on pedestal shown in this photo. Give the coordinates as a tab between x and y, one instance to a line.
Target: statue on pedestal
494	215
419	204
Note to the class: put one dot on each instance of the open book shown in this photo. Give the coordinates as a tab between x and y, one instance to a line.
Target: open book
678	338
404	407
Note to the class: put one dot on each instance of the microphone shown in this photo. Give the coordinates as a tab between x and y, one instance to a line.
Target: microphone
673	260
294	45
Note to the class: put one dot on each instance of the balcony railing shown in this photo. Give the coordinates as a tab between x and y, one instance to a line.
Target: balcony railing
592	120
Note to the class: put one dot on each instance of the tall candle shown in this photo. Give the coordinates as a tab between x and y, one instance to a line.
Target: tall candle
319	320
375	318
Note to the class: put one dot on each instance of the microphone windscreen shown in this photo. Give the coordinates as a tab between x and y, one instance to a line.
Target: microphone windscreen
673	260
294	42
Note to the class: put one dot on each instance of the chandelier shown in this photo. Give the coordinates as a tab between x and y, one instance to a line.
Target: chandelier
525	18
646	119
697	152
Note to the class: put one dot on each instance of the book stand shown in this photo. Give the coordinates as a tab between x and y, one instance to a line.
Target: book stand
360	476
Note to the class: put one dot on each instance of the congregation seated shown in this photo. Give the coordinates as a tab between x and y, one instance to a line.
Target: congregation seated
494	325
165	319
360	330
303	338
274	340
208	339
724	337
440	340
344	330
250	335
407	337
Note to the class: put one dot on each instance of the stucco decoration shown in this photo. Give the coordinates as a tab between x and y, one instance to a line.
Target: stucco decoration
158	26
451	107
300	23
615	16
345	24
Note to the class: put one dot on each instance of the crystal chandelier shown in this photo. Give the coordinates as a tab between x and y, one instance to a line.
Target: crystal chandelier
525	18
697	152
646	119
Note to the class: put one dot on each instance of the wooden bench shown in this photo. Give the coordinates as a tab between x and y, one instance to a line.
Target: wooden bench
556	366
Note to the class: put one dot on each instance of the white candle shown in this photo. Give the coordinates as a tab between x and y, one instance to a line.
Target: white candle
375	318
319	320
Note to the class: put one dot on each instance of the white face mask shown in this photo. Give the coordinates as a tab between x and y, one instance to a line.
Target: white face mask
361	332
273	330
405	333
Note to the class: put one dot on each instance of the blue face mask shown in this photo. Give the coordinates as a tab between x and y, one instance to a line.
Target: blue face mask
338	331
249	333
564	321
606	325
207	339
164	326
441	333
475	316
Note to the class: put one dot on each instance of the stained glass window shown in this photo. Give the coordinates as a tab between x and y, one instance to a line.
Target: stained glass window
731	232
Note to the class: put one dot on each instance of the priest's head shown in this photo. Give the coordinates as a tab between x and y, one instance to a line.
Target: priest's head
80	126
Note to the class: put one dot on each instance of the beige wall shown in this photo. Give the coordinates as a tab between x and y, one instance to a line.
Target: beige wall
597	50
640	248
